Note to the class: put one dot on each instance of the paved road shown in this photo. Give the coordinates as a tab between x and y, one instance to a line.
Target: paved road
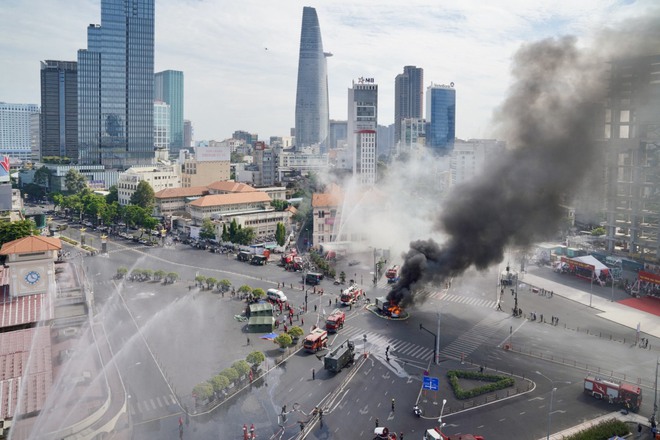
188	330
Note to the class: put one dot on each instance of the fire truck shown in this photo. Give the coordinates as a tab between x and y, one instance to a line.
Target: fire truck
351	295
619	393
437	434
316	340
392	274
335	321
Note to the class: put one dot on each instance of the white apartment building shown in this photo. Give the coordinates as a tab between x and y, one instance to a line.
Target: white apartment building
470	157
160	176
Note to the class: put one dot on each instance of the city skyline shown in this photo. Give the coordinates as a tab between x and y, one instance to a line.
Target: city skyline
240	60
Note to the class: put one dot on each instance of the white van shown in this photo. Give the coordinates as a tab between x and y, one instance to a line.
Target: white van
274	295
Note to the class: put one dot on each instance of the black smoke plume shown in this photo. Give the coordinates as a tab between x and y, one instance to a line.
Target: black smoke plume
549	122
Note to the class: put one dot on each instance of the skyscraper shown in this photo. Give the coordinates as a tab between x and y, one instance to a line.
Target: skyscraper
312	113
59	109
632	138
162	118
168	88
408	97
116	86
362	129
441	118
16	127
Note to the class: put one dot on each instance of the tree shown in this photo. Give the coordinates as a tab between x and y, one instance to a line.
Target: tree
113	195
33	191
225	233
255	358
279	205
207	231
224	284
230	373
148	222
283	340
219	382
58	198
159	274
144	196
172	277
233	229
245	289
296	332
280	234
211	282
74	181
242	367
203	391
10	231
121	272
42	176
258	293
200	279
244	236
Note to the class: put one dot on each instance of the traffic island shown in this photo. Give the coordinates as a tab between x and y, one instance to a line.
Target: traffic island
385	309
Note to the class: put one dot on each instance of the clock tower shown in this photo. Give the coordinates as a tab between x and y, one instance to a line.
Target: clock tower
31	262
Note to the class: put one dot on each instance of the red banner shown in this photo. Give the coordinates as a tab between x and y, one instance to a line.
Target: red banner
649	277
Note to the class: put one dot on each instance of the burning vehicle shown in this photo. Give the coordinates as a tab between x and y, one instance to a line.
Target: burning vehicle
387	307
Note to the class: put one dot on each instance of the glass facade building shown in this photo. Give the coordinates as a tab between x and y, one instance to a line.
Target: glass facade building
162	118
116	86
312	112
440	118
169	88
59	109
408	97
16	128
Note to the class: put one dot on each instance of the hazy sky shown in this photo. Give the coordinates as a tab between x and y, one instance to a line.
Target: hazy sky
240	58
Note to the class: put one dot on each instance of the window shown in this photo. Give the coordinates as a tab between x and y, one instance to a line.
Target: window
624	116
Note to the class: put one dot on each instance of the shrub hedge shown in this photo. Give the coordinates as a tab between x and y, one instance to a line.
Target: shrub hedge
602	431
495	383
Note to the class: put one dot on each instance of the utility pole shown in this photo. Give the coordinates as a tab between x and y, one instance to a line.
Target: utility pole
436	342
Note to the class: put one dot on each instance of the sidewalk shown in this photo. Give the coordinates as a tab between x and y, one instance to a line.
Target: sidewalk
612	311
630	417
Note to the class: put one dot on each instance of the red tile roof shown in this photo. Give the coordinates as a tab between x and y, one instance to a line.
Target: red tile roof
22	351
32	243
229	186
231	199
24	309
173	193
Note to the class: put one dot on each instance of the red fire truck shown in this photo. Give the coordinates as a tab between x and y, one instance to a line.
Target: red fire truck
350	295
316	340
392	274
437	434
335	321
620	393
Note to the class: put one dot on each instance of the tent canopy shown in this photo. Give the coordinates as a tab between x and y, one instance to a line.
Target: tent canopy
598	266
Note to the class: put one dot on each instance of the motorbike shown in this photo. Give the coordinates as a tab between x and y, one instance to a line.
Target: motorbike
417	411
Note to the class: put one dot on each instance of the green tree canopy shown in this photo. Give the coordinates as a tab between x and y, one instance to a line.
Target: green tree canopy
74	181
207	231
203	391
230	373
258	292
279	205
255	358
10	231
283	340
42	176
113	195
143	196
242	367
244	236
280	234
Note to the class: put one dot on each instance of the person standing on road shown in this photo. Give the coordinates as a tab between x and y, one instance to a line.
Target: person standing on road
313	374
248	340
377	422
392	404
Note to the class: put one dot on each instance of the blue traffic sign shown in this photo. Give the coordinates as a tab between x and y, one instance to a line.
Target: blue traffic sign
431	383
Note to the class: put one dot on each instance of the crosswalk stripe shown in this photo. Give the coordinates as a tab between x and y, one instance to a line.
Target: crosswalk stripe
160	403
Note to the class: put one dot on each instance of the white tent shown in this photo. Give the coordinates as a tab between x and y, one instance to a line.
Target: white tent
598	266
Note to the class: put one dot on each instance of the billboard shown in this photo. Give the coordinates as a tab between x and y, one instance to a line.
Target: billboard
212	154
4	169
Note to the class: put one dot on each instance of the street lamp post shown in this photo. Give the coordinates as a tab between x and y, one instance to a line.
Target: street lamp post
436	340
552	395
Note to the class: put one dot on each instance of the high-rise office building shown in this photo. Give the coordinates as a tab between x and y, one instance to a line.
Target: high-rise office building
187	134
168	87
116	86
162	117
362	129
312	112
408	97
440	118
59	109
337	133
632	138
16	129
